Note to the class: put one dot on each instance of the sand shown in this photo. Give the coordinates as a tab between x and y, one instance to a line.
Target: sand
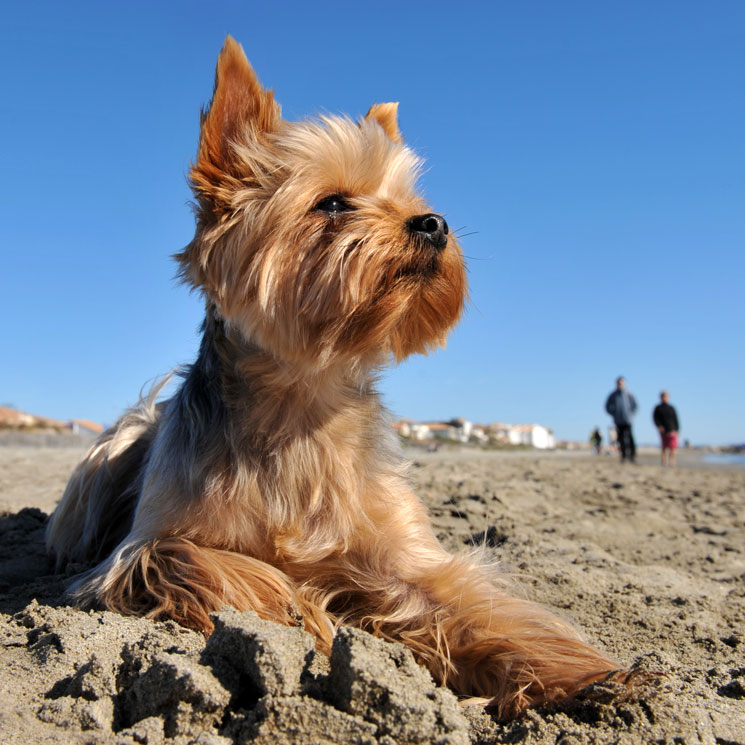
649	562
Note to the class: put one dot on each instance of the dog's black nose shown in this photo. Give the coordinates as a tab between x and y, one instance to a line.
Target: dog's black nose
431	228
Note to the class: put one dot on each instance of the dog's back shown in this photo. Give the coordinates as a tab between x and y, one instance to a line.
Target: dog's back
96	510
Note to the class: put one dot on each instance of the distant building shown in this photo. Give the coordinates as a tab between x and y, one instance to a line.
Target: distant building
442	431
419	431
533	435
499	433
478	434
403	427
20	420
84	427
461	430
14	419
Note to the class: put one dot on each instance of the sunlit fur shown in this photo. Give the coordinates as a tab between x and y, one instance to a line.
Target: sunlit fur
271	480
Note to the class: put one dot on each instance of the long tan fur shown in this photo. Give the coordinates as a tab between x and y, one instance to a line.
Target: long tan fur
271	480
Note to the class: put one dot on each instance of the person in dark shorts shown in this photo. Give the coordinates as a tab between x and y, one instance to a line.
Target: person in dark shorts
666	420
621	405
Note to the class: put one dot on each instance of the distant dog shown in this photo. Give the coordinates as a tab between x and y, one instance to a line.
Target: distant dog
271	481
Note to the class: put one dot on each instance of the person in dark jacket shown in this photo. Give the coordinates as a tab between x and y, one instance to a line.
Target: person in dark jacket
596	440
621	405
666	420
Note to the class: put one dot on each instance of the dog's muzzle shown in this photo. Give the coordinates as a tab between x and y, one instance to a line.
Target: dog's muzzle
430	228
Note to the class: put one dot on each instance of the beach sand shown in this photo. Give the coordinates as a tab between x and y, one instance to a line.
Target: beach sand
648	562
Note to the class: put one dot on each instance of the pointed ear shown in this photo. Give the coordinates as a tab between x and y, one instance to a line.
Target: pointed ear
386	115
240	106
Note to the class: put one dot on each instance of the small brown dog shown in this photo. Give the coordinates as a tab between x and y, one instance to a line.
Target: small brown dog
271	480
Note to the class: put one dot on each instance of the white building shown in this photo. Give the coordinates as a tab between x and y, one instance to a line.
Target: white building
532	435
420	431
461	430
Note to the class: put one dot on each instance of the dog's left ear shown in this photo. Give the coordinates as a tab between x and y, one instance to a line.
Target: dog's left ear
386	115
241	111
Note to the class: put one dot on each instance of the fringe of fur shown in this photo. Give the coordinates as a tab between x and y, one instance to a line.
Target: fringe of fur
176	578
100	497
489	647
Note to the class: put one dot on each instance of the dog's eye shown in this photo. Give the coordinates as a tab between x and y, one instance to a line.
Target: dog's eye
333	205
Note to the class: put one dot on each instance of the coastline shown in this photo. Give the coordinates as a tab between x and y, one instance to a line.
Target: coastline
646	455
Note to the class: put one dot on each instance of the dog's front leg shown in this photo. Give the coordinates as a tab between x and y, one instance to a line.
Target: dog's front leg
485	642
459	617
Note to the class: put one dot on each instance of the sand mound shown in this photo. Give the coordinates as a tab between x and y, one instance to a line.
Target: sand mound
99	677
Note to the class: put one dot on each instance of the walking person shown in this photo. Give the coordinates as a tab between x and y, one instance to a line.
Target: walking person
621	405
666	420
596	440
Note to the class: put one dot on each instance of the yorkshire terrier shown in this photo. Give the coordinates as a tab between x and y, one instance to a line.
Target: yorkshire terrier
272	480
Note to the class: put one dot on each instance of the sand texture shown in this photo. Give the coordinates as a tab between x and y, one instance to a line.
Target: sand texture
649	562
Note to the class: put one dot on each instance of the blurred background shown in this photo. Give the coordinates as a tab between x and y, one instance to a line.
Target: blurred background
591	155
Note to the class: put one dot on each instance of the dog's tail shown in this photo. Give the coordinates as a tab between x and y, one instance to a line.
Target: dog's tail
173	577
96	509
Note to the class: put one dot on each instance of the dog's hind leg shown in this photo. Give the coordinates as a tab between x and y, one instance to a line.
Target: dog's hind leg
96	509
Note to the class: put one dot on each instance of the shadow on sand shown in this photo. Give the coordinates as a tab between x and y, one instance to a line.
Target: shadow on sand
26	572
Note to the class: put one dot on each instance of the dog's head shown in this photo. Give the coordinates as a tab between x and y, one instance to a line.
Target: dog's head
311	238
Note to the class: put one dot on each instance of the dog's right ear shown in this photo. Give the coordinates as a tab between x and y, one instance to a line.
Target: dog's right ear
241	111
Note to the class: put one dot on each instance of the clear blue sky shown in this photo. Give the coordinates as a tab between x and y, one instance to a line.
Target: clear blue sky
595	151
